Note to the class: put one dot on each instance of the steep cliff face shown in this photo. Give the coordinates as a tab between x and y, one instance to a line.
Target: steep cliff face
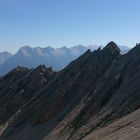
93	91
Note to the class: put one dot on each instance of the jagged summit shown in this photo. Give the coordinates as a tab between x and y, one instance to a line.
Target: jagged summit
134	51
20	68
17	69
112	43
112	48
41	68
26	47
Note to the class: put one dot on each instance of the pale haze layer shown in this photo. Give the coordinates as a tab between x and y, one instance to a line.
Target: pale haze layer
68	22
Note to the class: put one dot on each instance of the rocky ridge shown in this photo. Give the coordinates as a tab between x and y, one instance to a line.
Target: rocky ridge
93	91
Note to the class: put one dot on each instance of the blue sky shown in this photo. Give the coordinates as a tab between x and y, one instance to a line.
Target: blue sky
68	22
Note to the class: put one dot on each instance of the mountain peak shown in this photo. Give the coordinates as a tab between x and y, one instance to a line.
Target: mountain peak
4	56
25	50
112	48
41	68
5	52
26	47
134	51
112	45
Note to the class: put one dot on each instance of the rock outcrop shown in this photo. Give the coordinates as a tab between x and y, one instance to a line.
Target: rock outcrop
19	86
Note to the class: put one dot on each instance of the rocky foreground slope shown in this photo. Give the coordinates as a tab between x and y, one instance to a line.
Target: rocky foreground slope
97	96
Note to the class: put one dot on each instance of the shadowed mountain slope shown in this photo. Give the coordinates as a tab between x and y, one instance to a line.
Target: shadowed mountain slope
93	91
19	86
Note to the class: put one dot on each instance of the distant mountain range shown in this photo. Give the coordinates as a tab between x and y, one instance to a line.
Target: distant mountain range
57	58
